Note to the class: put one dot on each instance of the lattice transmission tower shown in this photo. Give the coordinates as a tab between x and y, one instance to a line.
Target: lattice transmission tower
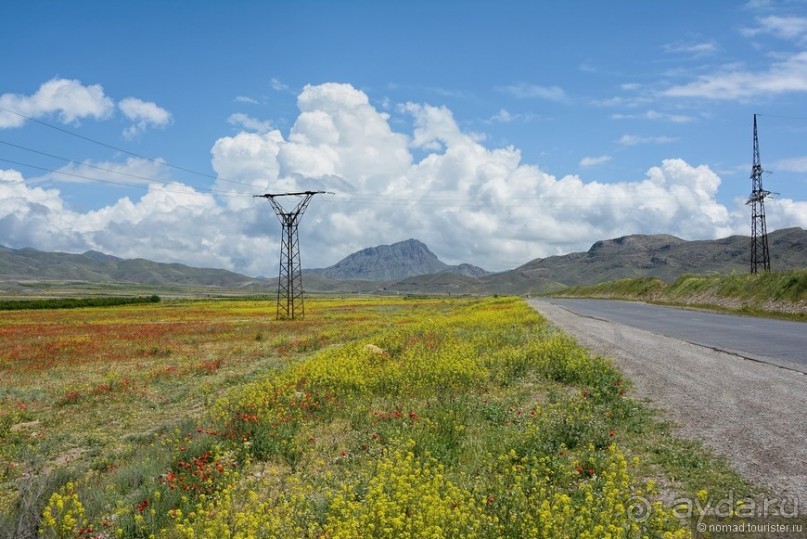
290	276
760	256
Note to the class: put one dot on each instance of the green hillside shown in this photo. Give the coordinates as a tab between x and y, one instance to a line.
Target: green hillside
772	293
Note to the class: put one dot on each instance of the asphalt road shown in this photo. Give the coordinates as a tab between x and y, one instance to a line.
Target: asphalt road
778	342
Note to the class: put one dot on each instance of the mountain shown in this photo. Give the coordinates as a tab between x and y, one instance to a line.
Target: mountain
667	257
393	263
468	270
410	267
662	256
93	266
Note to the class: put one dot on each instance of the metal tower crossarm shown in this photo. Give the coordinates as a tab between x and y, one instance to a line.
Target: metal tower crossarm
290	275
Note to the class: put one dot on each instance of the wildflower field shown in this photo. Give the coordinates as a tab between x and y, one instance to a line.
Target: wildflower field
372	417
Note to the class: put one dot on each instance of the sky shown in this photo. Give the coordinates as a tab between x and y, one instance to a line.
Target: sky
495	132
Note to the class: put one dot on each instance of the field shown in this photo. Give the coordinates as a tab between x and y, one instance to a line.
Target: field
372	417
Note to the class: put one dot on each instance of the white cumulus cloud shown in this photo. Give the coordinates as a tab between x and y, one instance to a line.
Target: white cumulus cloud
143	114
70	99
432	181
467	201
171	222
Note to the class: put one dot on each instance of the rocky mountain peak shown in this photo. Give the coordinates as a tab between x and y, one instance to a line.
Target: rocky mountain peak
386	263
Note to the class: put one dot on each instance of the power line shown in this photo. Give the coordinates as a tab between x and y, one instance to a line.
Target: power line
117	149
119	184
363	198
371	199
129	174
541	201
46	154
783	117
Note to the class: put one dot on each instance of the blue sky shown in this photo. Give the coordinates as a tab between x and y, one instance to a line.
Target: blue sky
496	132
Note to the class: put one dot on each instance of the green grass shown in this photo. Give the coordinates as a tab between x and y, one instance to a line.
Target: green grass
771	294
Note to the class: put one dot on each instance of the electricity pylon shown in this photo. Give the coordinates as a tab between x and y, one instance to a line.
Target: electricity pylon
290	277
760	256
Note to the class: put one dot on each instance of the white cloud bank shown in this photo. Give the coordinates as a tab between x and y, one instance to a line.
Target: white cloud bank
439	184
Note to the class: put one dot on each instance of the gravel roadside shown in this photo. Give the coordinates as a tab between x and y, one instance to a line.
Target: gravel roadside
752	413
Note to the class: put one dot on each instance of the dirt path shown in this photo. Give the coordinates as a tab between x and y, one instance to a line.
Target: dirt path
754	414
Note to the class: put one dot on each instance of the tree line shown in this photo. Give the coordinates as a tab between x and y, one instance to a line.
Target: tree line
74	303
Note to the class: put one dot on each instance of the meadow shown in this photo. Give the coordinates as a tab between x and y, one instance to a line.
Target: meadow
372	417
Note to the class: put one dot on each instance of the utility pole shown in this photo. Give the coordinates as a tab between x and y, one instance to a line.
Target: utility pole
290	277
760	257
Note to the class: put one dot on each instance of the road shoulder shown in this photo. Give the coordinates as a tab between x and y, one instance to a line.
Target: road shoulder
753	413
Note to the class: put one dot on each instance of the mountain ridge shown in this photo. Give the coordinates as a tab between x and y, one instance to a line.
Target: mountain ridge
662	256
668	257
92	266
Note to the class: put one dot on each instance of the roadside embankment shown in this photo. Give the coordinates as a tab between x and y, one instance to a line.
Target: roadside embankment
774	294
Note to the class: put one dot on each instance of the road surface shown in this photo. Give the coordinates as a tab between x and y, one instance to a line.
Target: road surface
780	342
752	412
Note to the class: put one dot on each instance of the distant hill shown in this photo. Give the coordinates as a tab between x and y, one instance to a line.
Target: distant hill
667	257
662	256
393	263
93	266
409	267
